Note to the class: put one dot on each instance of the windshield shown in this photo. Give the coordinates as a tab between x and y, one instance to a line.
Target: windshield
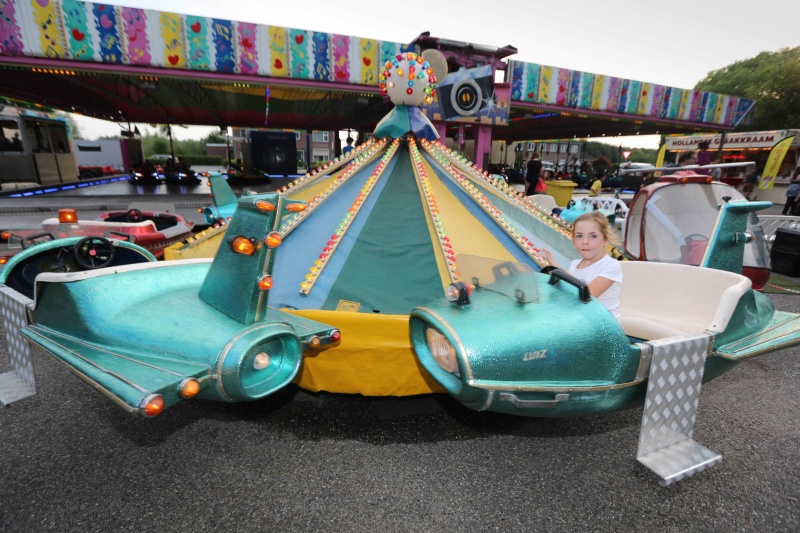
10	241
679	219
514	280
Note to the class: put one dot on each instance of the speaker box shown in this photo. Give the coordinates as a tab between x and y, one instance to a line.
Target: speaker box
785	254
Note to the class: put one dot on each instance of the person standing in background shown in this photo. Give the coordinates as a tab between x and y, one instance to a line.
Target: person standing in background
792	195
703	157
347	149
532	176
597	184
749	183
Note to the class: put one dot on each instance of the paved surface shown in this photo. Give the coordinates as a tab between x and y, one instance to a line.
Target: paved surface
72	461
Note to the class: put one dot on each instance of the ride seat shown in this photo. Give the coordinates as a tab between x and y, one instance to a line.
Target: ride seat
609	204
52	224
661	300
547	202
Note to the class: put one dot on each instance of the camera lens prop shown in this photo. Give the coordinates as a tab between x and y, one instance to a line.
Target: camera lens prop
466	97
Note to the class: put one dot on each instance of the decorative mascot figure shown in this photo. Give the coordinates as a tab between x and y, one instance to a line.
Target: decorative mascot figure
409	80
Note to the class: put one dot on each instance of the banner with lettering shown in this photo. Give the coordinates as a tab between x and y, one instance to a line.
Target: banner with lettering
733	141
774	162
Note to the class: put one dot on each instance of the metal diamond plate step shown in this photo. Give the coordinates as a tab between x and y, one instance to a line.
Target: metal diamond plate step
20	382
673	393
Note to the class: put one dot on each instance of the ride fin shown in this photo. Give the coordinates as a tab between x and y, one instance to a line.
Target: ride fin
224	201
725	250
239	278
221	191
129	379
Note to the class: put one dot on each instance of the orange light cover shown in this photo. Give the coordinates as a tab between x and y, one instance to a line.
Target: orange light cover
243	245
188	388
3	260
265	283
5	235
314	342
296	208
153	405
67	216
273	239
265	206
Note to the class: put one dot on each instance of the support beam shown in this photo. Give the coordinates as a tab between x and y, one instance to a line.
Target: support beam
483	145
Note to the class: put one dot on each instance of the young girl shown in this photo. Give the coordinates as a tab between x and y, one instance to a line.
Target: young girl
590	235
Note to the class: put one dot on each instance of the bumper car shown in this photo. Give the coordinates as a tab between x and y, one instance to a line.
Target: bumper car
148	173
180	175
247	175
150	230
671	221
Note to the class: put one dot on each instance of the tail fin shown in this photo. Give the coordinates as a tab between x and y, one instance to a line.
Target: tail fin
224	200
725	249
239	279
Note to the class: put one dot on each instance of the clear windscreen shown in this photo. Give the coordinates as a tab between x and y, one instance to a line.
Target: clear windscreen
515	280
679	220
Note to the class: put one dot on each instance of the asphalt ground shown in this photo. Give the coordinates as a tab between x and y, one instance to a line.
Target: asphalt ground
72	461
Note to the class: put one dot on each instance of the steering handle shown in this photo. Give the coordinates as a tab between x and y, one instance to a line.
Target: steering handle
583	288
26	242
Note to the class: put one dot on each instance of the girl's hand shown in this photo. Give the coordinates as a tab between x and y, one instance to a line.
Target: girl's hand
546	255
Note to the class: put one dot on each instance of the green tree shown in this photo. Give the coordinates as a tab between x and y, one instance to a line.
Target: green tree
772	79
214	138
154	144
166	129
73	126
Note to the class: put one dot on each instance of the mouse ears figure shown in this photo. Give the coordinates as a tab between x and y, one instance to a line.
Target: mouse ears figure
409	80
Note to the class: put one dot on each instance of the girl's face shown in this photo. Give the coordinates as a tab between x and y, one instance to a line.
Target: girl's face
589	240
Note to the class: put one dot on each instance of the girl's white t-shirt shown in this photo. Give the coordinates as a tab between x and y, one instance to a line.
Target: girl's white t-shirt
606	268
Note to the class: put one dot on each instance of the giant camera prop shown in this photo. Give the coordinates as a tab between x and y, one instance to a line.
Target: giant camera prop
464	93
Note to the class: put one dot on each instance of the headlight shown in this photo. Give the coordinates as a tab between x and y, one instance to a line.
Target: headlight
259	362
210	214
442	351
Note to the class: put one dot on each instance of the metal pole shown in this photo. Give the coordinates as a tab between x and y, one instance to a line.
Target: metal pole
227	149
308	151
721	144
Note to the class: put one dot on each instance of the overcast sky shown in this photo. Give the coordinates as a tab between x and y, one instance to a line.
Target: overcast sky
673	43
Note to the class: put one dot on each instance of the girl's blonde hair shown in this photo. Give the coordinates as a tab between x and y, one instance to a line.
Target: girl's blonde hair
601	220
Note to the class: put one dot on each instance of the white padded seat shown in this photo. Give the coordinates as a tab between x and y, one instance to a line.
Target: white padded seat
661	300
52	224
609	204
547	202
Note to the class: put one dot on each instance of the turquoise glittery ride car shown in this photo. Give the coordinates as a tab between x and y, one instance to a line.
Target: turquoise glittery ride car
518	341
149	335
